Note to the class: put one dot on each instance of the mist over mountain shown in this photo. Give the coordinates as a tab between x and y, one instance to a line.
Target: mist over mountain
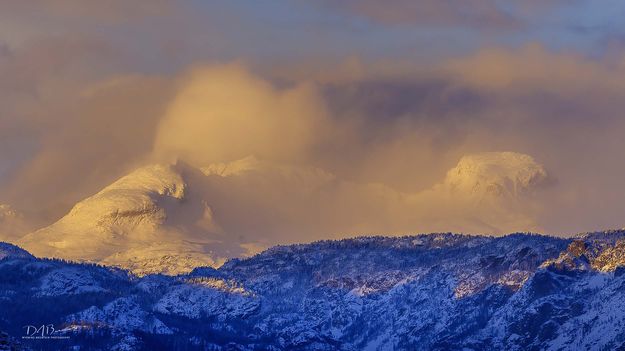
388	137
172	218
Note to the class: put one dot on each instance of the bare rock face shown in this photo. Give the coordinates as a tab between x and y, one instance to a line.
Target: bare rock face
601	251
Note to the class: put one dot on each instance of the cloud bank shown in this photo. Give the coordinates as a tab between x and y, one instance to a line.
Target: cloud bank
82	103
224	113
400	134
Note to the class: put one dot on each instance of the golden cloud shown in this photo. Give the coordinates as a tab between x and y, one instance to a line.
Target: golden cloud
224	113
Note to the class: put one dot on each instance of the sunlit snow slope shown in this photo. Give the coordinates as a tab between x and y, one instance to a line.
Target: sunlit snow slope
142	222
172	218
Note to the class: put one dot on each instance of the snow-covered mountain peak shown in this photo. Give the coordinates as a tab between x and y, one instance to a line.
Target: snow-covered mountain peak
172	218
130	205
138	222
160	179
132	198
496	174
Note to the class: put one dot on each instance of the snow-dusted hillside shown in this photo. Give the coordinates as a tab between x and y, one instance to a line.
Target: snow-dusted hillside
11	251
428	292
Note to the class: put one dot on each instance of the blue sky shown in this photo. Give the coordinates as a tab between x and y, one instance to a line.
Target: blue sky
279	29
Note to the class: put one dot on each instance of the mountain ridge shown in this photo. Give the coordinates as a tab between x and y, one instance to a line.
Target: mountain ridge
431	291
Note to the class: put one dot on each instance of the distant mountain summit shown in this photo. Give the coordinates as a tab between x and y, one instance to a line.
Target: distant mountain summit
493	192
138	222
161	218
496	174
171	218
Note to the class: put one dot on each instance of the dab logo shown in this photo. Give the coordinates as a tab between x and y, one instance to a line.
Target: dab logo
44	331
